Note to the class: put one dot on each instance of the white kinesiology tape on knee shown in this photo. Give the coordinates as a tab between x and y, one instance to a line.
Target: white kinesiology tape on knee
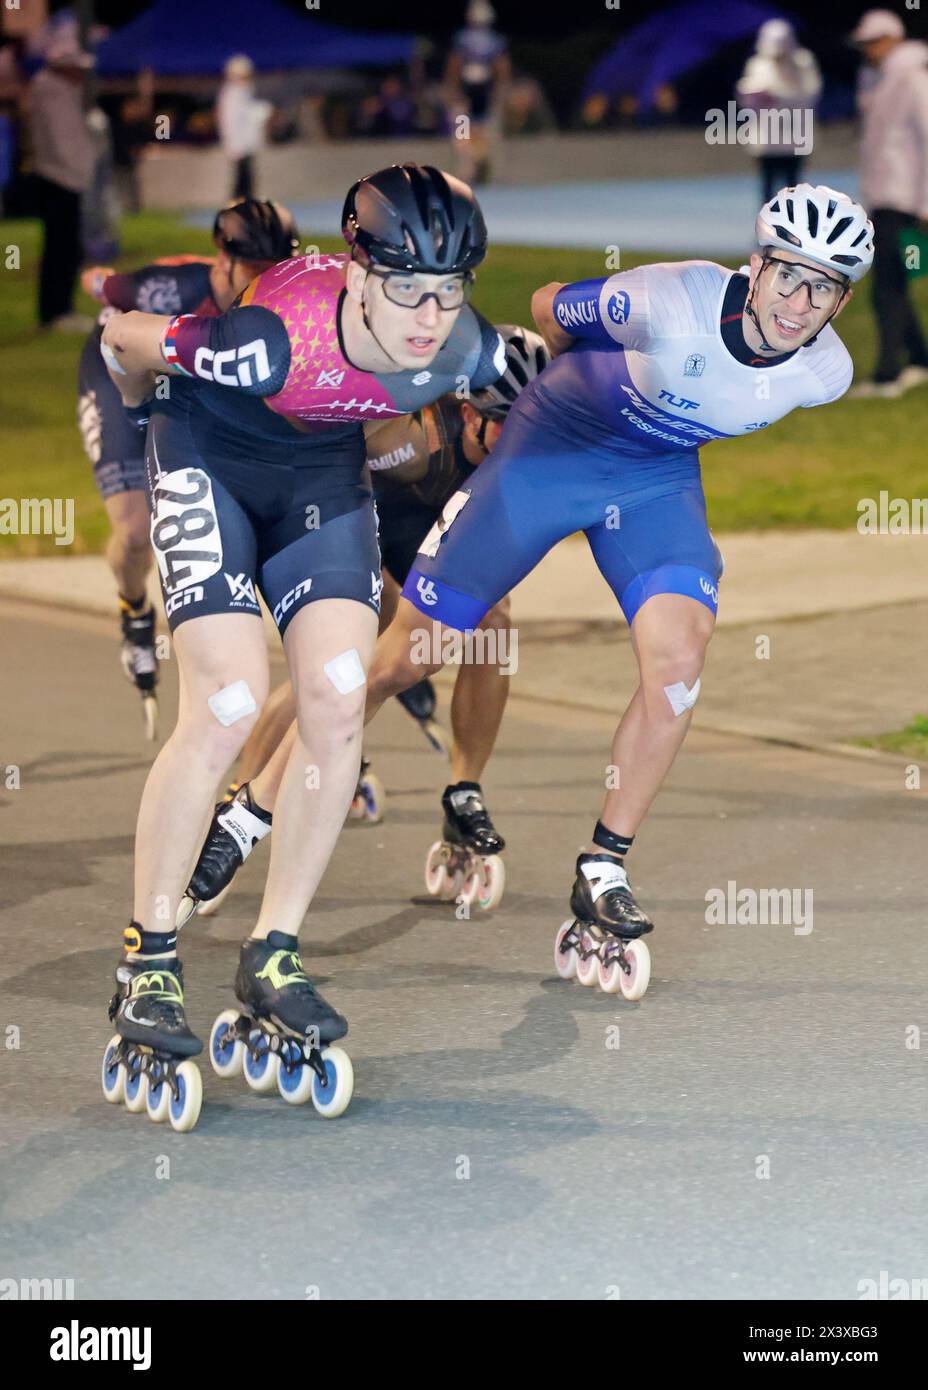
345	671
244	826
681	699
233	702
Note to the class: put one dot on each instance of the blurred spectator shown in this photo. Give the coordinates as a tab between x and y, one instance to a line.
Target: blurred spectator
527	111
478	66
100	208
389	112
242	119
63	158
779	77
894	187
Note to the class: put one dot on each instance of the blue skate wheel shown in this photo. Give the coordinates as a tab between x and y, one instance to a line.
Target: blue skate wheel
159	1093
185	1105
294	1078
136	1085
260	1063
331	1098
226	1050
113	1074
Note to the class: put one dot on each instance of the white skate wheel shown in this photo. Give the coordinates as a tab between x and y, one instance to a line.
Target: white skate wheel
185	910
639	957
587	969
210	905
435	874
471	886
492	883
260	1071
158	1095
184	1108
331	1100
136	1087
150	716
451	888
226	1051
294	1083
565	962
611	975
375	798
113	1073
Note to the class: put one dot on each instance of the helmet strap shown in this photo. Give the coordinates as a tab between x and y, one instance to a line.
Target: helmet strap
749	310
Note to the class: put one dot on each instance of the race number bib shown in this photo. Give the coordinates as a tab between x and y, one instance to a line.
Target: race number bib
450	510
184	529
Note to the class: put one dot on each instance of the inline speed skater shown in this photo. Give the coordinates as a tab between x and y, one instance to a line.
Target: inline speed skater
417	463
255	462
650	364
250	235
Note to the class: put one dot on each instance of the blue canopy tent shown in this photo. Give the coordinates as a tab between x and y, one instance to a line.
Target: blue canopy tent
196	37
672	43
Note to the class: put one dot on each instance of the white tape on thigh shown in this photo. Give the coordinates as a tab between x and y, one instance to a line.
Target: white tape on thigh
345	671
681	699
233	702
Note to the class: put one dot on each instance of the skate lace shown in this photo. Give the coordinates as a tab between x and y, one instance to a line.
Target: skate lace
163	994
222	852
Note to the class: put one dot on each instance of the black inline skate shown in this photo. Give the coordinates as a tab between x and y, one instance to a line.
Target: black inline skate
369	800
466	863
238	824
147	1063
419	702
139	662
602	945
282	1039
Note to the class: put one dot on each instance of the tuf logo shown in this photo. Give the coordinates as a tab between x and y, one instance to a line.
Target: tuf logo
332	378
290	598
241	589
426	590
181	599
211	365
709	589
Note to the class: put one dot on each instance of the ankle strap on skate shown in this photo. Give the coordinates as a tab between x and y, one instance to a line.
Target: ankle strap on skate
245	827
604	873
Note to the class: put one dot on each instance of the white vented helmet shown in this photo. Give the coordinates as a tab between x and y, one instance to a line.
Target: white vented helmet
526	357
820	223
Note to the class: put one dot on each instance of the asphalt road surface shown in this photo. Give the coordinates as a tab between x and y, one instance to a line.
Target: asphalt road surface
755	1127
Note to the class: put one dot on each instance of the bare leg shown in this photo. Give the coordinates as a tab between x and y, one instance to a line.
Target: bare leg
212	653
477	705
670	634
322	771
276	717
128	550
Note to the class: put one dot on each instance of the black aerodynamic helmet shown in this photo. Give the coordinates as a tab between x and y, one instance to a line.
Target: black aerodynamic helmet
414	217
264	231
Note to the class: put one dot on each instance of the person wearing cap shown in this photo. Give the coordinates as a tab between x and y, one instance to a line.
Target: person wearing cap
63	159
893	104
780	78
242	120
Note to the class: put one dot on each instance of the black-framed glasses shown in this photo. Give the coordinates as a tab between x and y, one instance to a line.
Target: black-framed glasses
823	291
407	289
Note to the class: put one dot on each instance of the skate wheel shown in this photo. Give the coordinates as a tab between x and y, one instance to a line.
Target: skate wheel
587	968
158	1098
331	1100
136	1086
210	905
611	974
294	1081
261	1070
184	1108
565	958
487	883
639	957
185	910
150	716
114	1073
373	798
225	1050
435	870
452	885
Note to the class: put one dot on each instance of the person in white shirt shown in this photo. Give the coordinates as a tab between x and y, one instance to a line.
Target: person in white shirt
783	80
242	119
893	103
